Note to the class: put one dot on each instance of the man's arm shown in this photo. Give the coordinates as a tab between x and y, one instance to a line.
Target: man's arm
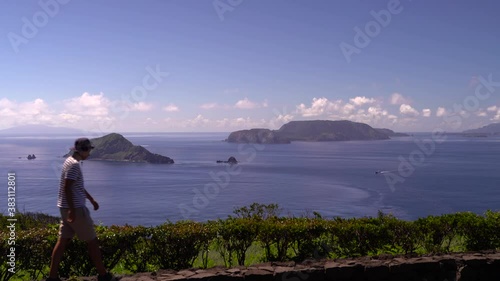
96	206
68	191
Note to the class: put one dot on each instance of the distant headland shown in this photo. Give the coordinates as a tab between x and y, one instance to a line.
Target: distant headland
314	131
115	147
488	130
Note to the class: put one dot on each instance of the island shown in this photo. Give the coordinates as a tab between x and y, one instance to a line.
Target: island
488	130
115	147
391	133
231	160
314	131
263	136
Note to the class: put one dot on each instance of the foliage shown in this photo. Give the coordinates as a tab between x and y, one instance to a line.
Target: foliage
277	238
258	211
439	231
404	236
355	237
139	254
176	246
235	236
480	232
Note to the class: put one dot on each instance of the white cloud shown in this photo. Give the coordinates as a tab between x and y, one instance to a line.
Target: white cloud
246	104
7	112
426	112
69	118
374	115
361	100
88	105
38	106
284	118
141	106
319	106
241	104
279	121
7	108
398	99
482	113
375	110
150	121
198	120
30	112
348	108
6	103
406	109
171	108
441	111
203	123
211	105
497	113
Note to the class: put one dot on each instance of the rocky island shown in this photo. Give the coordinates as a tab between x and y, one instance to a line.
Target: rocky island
115	147
315	130
231	160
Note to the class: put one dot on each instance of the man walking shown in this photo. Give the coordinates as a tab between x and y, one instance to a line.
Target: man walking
75	217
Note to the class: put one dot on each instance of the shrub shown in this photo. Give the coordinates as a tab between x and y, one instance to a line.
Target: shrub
480	232
236	235
176	246
307	234
139	257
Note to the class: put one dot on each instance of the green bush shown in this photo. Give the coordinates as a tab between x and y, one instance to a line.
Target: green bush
356	237
439	231
480	232
258	211
308	238
404	236
278	236
139	257
177	245
34	249
236	235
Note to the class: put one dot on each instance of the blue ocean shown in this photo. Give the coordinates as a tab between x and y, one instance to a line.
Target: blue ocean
409	177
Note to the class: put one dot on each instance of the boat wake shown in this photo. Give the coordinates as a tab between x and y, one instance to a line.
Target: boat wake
384	172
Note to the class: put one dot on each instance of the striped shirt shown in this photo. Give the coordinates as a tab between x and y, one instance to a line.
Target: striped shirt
71	170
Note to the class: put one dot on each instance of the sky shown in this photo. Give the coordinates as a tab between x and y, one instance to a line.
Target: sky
226	65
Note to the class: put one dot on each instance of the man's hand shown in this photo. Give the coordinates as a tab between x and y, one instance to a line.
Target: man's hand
71	215
96	206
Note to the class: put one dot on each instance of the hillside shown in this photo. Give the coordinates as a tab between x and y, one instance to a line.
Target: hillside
491	129
391	133
115	147
316	130
264	136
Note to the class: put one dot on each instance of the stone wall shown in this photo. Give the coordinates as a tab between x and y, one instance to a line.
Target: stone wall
455	267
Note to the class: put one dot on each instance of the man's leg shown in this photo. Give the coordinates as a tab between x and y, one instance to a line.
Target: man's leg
57	254
95	256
